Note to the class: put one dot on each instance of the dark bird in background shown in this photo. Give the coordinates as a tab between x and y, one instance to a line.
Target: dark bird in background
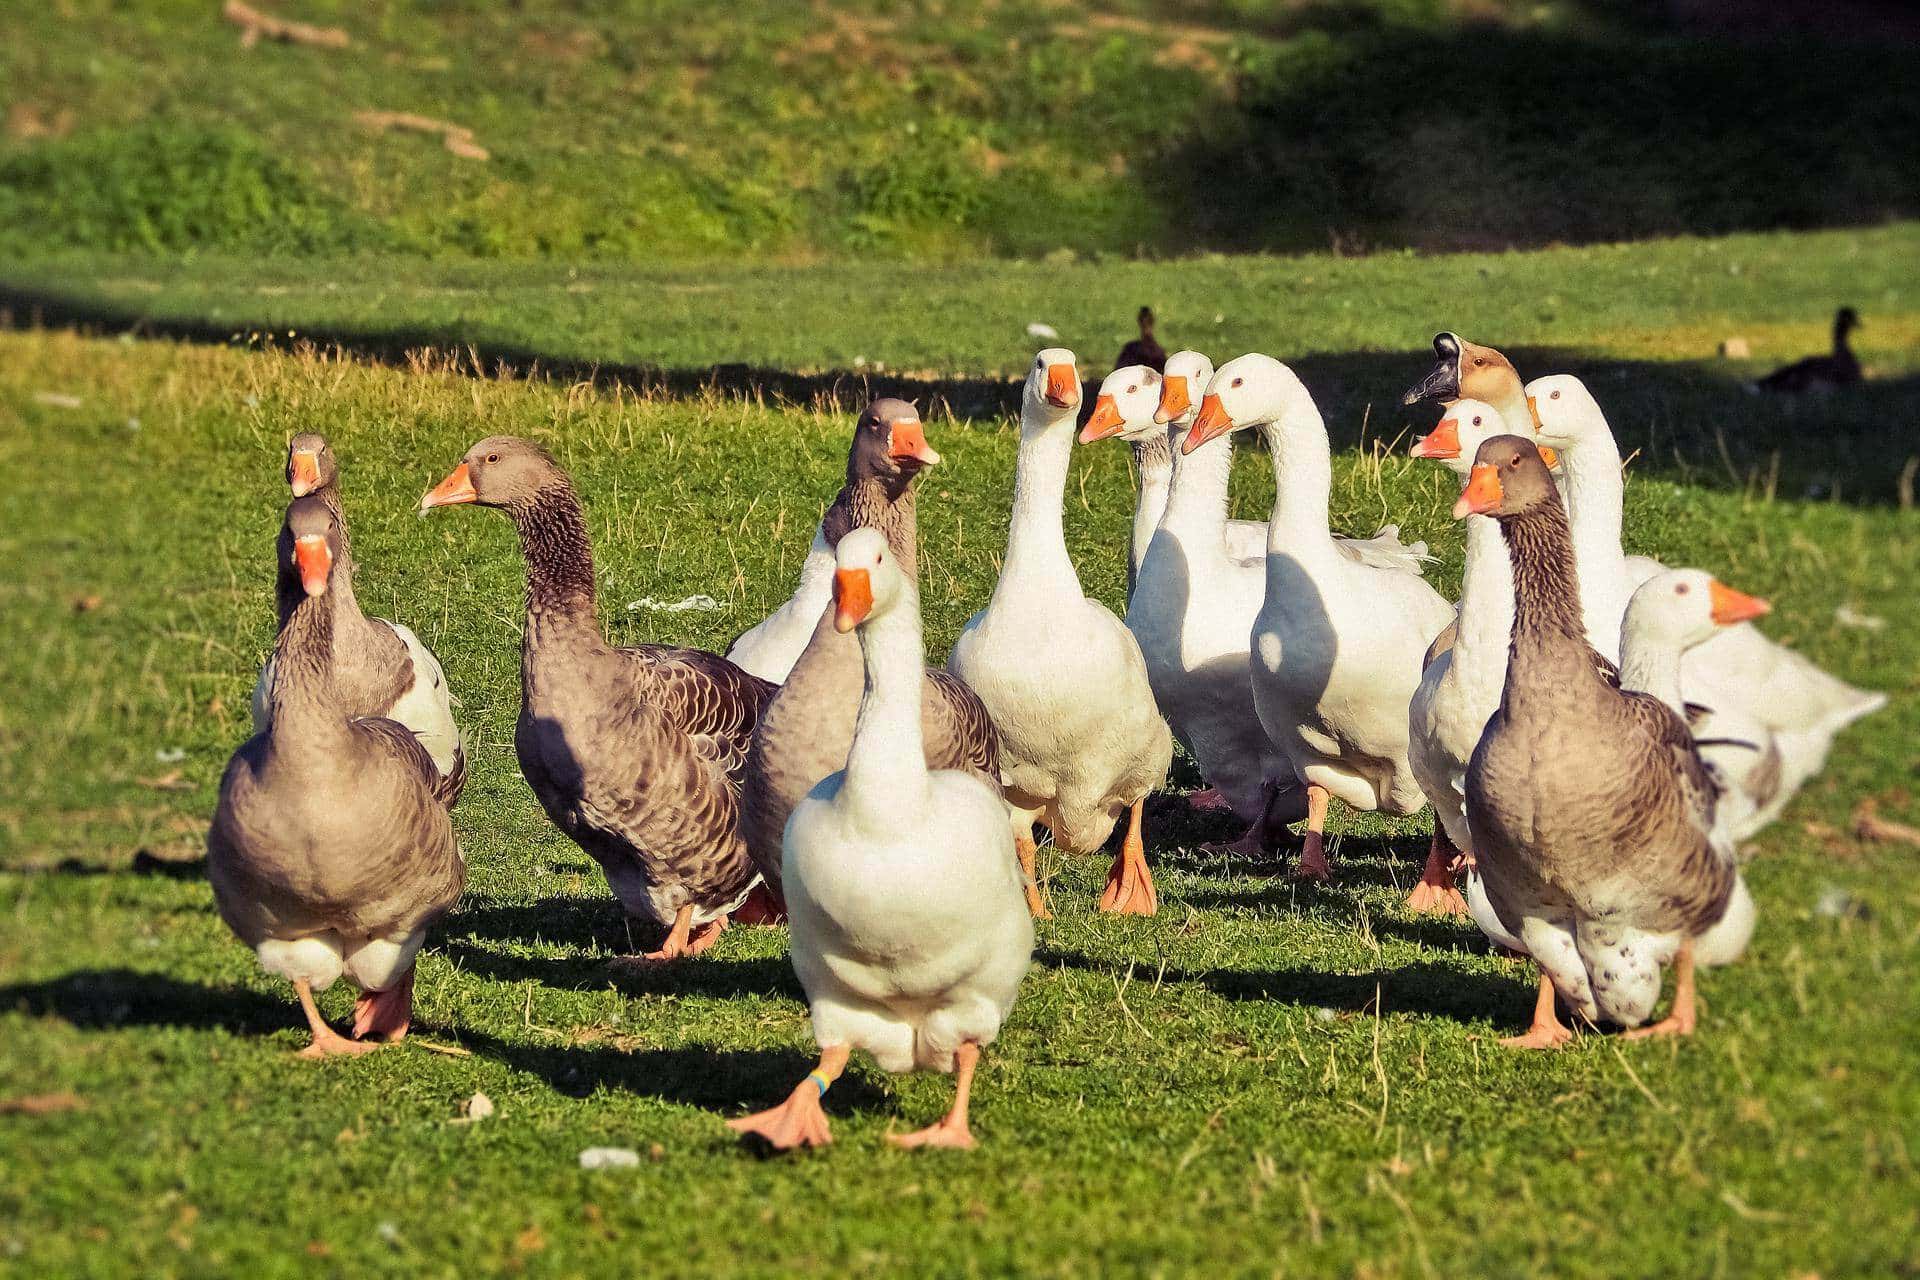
1820	373
1143	349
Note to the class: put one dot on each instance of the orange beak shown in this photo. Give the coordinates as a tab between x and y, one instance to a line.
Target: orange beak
1174	399
315	561
1548	456
907	442
852	598
1533	411
1442	442
1106	421
1482	495
1730	606
456	488
303	472
1063	386
1212	423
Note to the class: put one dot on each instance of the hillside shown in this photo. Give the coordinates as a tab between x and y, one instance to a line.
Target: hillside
673	130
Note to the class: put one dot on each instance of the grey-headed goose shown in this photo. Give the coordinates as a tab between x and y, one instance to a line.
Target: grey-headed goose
380	667
1592	813
635	753
1838	368
807	727
331	851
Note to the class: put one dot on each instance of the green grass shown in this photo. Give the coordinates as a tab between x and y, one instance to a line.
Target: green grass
1260	1080
682	131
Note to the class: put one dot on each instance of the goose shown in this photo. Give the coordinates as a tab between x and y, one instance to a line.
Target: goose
1192	608
807	726
1738	672
1081	739
331	850
1592	813
1143	349
910	933
1338	641
771	646
635	753
1838	368
1669	614
380	667
1459	687
1465	370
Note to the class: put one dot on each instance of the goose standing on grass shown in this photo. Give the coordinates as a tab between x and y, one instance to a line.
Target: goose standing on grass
1081	739
1738	672
380	668
771	646
636	754
1838	368
1144	349
910	935
1592	813
1460	687
1193	606
1338	642
808	725
331	850
1669	614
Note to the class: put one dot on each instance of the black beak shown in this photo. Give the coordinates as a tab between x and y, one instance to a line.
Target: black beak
1443	380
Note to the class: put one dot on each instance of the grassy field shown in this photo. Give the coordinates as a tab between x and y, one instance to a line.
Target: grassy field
679	130
1264	1079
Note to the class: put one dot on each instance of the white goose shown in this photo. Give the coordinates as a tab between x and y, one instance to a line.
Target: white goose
1672	612
910	926
1338	642
771	646
1739	671
1081	738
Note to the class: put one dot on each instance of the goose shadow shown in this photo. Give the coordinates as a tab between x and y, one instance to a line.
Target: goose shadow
114	999
703	975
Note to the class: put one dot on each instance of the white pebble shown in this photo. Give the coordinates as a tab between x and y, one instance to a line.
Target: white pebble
609	1158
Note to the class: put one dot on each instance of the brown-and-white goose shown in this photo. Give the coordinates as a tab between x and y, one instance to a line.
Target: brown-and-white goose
807	727
635	753
380	667
331	851
1592	813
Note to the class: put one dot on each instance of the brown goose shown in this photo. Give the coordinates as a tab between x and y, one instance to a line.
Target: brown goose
1838	368
330	851
807	728
380	668
1465	370
1144	349
1592	813
636	754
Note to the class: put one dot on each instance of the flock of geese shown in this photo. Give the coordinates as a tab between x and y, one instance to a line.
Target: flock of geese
1594	732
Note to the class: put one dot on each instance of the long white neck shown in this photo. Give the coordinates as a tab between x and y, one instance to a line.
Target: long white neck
1649	665
1595	491
1302	482
1155	459
1485	628
1197	506
1037	560
887	765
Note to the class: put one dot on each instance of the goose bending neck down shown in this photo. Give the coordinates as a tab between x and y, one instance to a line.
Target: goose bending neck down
910	929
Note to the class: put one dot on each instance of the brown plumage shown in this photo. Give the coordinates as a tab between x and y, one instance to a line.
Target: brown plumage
1144	349
635	753
331	850
1590	807
1838	368
808	725
376	672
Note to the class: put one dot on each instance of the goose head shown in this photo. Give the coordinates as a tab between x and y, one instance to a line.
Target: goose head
310	464
1052	391
867	582
1181	386
1247	391
500	471
310	543
1566	411
889	444
1509	478
1125	406
1466	370
1682	607
1467	425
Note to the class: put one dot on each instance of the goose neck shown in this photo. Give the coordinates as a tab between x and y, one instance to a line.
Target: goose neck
1036	537
1197	504
559	559
886	765
1302	485
1153	457
1548	656
1651	666
1485	624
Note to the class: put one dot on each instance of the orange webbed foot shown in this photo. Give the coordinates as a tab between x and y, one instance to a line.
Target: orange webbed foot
946	1133
800	1121
386	1013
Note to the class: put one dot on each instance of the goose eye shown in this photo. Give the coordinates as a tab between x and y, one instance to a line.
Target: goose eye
1238	381
1038	363
1682	589
1131	390
493	457
1479	361
1476	421
1554	396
